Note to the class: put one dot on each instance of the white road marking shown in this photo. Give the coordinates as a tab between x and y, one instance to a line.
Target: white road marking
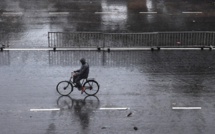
186	108
148	12
115	108
193	12
12	13
87	49
127	48
40	110
180	48
105	12
58	13
29	49
48	49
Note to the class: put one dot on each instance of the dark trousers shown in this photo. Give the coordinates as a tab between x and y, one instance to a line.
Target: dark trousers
77	79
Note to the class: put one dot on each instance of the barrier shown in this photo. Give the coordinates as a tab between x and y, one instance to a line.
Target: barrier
60	39
186	39
132	40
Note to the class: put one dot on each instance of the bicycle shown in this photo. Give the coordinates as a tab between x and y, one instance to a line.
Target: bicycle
66	87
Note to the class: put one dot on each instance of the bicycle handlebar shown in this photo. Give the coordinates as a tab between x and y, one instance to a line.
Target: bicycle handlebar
72	73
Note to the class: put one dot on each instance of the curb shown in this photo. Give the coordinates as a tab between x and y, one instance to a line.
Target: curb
107	49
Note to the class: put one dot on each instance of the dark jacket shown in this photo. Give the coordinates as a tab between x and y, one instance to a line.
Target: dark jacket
83	72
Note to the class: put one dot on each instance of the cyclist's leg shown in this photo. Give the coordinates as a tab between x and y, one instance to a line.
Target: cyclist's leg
74	78
78	83
83	88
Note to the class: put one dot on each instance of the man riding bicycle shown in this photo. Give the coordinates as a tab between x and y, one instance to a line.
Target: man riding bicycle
80	74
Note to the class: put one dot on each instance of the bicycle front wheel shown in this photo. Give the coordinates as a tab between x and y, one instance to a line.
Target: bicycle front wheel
91	87
64	88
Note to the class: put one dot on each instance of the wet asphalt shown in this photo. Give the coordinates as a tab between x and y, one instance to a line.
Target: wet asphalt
27	23
147	85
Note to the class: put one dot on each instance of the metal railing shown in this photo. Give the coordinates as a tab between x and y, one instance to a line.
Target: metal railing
132	40
186	39
79	39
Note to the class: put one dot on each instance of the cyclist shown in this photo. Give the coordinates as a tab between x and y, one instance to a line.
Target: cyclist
80	74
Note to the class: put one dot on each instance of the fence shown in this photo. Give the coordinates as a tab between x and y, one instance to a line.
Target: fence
59	39
132	40
186	39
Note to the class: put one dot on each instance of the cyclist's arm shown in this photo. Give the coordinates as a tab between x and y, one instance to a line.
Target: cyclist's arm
76	71
82	70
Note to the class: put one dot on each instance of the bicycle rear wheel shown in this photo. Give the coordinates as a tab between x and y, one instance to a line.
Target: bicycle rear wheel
91	87
64	88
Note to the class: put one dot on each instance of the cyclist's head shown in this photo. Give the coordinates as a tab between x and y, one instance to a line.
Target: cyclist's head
83	61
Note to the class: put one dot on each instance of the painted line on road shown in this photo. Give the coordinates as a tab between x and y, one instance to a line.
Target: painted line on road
192	12
121	49
78	49
148	12
12	13
58	13
40	110
105	12
181	48
28	49
49	49
186	108
114	108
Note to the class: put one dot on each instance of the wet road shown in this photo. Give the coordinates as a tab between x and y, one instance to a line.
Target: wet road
149	84
28	23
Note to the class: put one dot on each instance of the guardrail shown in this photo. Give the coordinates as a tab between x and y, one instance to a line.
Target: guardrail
78	39
132	40
186	39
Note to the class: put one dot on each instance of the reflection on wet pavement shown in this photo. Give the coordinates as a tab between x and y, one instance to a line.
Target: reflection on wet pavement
28	23
82	109
4	58
150	83
190	70
66	58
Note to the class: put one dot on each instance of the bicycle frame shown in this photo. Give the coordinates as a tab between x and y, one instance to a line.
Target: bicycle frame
71	80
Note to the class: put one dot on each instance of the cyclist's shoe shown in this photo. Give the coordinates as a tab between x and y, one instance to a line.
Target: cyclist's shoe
83	89
75	85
